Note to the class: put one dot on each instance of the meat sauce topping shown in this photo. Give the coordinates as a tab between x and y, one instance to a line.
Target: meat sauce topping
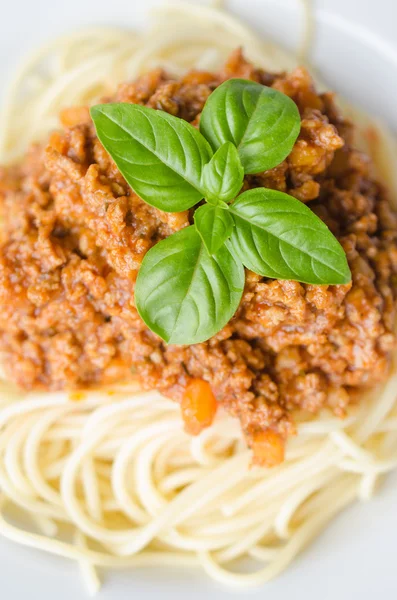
74	235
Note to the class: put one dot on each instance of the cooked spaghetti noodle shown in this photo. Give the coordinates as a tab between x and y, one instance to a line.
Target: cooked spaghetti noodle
110	479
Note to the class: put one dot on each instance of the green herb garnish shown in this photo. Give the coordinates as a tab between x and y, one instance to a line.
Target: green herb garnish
190	284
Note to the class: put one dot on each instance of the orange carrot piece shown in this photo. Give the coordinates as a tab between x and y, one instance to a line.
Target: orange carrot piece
198	406
268	448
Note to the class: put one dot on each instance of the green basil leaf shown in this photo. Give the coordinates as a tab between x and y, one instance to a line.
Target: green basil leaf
160	156
223	176
185	295
277	236
261	122
214	225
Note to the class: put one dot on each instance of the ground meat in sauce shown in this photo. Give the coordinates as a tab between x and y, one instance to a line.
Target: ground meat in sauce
75	234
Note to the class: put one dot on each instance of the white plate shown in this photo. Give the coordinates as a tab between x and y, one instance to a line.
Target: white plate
356	50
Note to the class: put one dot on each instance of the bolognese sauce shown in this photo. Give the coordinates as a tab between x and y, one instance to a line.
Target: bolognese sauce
74	235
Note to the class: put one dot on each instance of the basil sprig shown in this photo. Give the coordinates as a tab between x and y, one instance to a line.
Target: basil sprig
190	284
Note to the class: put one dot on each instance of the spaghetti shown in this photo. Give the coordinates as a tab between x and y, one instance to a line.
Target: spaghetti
111	480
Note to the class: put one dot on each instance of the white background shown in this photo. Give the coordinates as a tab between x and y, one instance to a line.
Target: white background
356	558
